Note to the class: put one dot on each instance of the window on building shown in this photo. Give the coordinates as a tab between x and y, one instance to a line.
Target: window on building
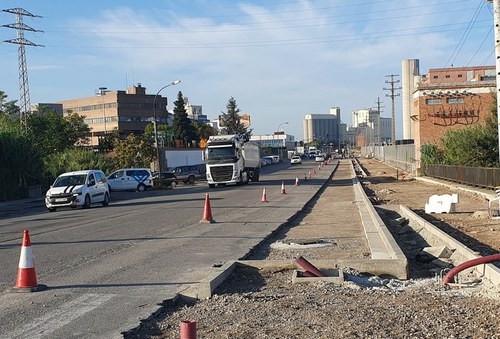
447	76
435	77
459	75
455	100
433	101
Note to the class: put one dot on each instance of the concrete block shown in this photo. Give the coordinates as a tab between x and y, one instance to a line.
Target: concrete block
441	203
443	252
333	276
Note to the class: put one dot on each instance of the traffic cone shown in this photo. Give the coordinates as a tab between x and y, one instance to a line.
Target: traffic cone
26	275
264	196
297	183
207	211
283	187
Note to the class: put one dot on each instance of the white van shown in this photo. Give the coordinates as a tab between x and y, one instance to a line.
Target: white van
80	188
130	179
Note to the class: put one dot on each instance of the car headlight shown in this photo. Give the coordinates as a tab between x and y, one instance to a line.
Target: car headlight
78	192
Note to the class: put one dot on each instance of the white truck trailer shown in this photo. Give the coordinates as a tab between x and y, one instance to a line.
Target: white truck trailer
231	160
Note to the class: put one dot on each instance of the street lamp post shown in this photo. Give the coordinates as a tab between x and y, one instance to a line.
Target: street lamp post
155	128
279	144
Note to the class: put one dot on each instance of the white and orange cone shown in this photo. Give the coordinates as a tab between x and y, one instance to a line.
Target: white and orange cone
207	211
297	183
283	187
264	196
26	275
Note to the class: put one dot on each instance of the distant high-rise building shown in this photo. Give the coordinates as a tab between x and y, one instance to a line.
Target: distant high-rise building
323	128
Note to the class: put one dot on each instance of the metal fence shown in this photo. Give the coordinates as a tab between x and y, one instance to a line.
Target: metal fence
403	157
399	156
487	177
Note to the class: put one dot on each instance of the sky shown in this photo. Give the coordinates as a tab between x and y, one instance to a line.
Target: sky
279	59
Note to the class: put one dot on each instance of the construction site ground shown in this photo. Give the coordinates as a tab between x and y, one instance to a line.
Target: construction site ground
263	303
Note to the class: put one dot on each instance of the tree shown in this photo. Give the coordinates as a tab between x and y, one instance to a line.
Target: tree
182	127
8	108
134	151
231	120
205	131
51	133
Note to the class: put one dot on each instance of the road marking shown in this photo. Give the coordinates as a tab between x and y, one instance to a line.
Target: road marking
46	325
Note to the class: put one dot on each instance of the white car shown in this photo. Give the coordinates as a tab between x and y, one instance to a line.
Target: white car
130	179
319	158
80	188
296	159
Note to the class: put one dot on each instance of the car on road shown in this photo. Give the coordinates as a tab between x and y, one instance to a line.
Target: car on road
319	158
79	188
168	179
188	173
296	160
130	179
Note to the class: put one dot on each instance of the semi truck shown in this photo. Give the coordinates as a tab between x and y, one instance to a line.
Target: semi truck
230	159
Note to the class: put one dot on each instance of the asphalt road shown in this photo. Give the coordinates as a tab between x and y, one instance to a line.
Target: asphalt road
106	268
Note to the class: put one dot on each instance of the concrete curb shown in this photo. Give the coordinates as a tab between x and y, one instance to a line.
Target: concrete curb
462	253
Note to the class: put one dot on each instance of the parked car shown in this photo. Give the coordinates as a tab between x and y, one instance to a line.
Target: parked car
168	179
296	160
80	188
187	174
130	179
319	158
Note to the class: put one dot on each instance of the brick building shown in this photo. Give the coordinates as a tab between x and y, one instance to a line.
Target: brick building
127	111
451	98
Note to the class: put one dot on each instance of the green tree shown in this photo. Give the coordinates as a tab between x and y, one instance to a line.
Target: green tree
231	120
134	151
204	131
182	126
52	133
8	108
74	159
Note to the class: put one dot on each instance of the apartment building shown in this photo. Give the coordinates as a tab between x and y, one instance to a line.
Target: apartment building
128	112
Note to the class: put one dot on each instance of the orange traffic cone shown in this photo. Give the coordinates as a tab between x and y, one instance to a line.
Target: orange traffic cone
297	183
283	187
264	196
207	211
26	275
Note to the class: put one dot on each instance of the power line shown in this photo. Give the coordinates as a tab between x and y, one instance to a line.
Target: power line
465	35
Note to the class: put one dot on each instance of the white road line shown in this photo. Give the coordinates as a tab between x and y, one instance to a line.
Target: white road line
63	315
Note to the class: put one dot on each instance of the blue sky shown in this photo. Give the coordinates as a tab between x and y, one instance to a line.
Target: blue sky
280	59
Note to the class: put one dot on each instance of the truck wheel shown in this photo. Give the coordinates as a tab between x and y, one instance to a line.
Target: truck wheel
191	179
211	185
141	187
256	177
52	209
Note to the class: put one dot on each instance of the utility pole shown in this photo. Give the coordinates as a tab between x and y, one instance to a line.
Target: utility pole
392	96
20	27
496	23
378	102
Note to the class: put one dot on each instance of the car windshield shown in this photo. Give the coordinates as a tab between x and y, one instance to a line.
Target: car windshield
70	180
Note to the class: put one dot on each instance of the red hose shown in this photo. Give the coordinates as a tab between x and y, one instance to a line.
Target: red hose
474	262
